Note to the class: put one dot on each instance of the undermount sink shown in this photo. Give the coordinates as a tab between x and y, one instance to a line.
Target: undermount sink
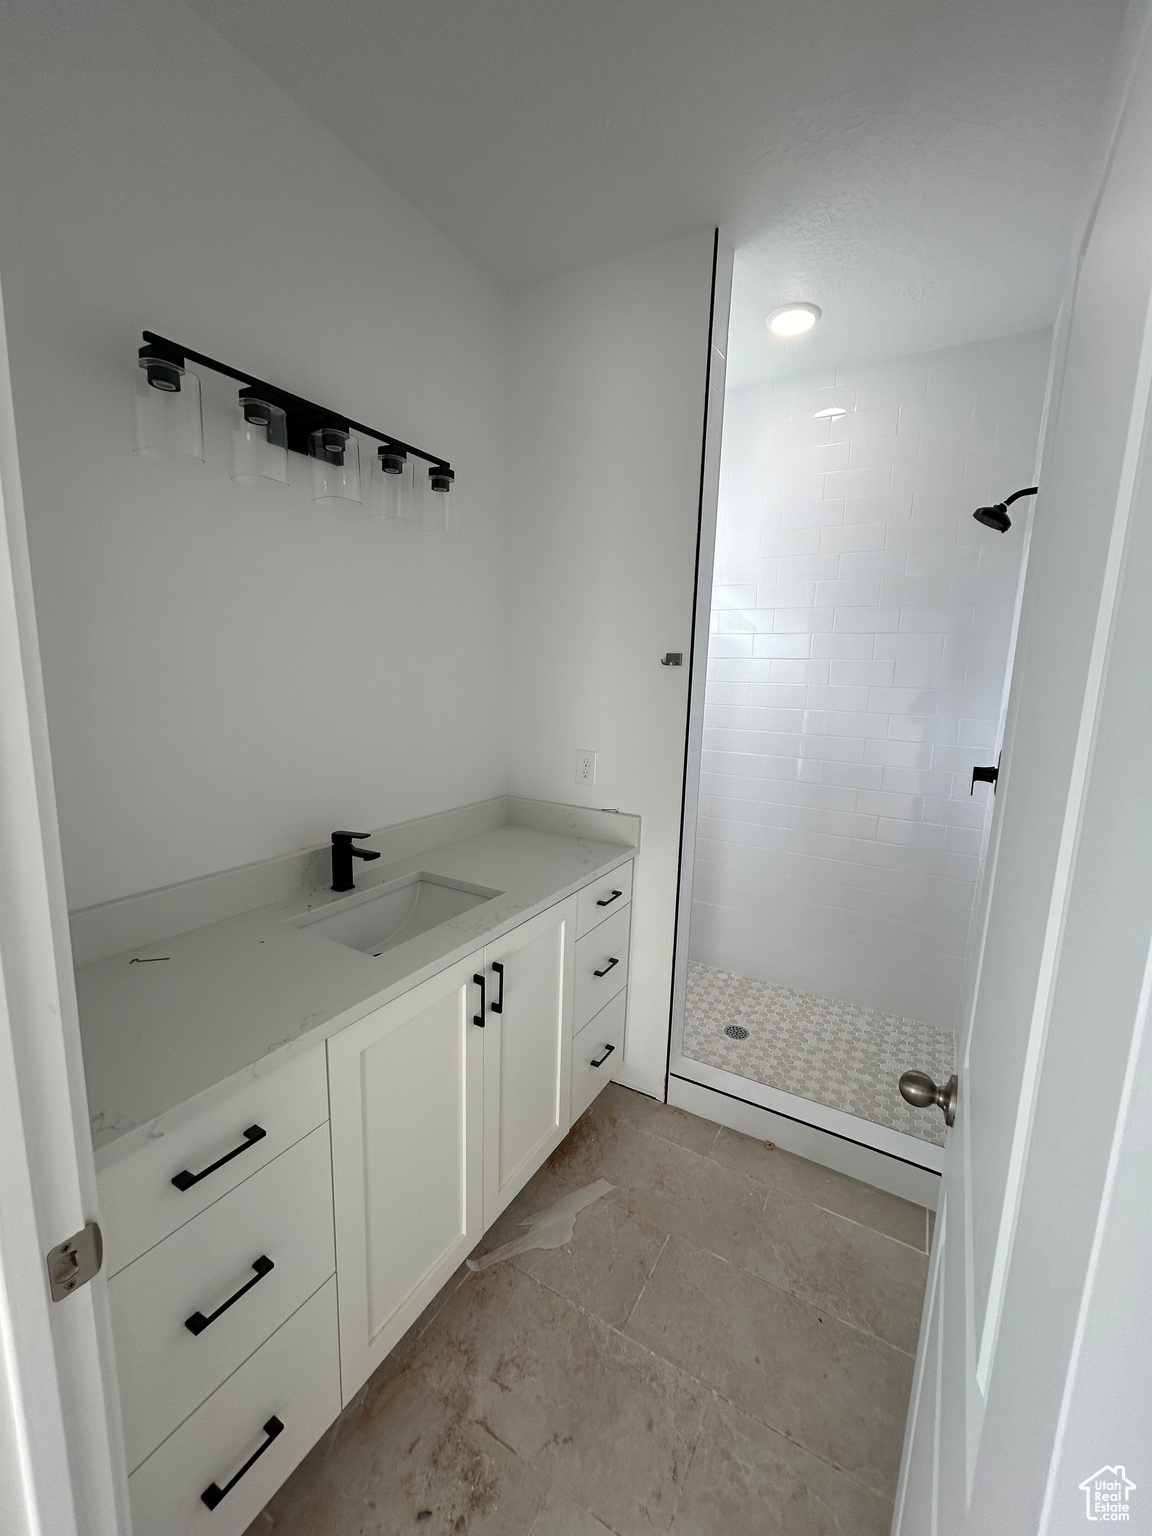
373	921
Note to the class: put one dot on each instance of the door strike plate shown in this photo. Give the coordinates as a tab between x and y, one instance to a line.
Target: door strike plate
73	1262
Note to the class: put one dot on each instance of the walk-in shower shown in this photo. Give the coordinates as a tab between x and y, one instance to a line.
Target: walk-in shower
861	624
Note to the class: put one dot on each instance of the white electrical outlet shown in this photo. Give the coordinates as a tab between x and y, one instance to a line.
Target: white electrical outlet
585	767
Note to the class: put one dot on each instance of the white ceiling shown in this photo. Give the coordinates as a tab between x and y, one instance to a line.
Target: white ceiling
912	166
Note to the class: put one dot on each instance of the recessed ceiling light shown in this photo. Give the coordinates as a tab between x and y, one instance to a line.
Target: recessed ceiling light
831	413
793	319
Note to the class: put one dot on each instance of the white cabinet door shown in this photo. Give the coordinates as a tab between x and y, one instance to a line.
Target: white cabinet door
527	1051
406	1088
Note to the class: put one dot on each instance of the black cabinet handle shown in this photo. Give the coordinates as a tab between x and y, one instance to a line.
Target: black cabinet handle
614	961
478	1018
498	1004
214	1494
608	900
198	1322
185	1180
987	775
608	1049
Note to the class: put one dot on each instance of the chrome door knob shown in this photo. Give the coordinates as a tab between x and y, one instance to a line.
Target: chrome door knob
920	1091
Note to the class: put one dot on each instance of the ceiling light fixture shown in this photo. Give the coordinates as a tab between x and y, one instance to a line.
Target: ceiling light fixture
793	319
830	413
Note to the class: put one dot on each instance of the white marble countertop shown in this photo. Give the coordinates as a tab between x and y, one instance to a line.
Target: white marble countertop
233	994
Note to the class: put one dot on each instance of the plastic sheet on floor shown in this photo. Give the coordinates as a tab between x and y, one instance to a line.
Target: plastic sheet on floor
550	1228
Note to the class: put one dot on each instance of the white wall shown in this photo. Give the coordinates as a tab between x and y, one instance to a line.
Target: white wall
860	631
229	673
608	405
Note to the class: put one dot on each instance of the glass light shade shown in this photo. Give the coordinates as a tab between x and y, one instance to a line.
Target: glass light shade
168	414
259	443
392	486
335	466
436	500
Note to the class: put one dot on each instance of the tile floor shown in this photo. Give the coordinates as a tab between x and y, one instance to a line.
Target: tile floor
832	1053
723	1349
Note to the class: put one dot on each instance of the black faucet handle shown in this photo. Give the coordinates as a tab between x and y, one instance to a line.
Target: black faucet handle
342	855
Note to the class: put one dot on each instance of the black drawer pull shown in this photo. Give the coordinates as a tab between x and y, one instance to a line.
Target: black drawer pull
614	961
198	1322
498	1003
214	1494
478	1018
608	1049
608	900
185	1180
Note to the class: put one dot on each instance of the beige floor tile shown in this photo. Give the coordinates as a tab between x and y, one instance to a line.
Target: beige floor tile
837	1392
863	1277
748	1480
511	1407
665	1184
562	1516
587	1408
663	1120
823	1186
407	1446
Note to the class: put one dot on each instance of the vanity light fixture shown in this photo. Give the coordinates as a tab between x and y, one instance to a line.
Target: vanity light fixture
793	319
268	423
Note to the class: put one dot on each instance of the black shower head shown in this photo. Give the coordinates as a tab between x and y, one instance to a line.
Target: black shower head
994	517
997	516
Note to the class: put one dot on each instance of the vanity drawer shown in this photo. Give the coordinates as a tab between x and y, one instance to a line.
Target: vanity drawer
604	950
283	1213
601	1040
293	1379
139	1204
603	899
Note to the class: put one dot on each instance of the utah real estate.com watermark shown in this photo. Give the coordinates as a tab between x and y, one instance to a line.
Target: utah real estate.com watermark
1107	1494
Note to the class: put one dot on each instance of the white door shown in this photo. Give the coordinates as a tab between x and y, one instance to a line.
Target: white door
1066	924
527	1051
406	1086
61	1451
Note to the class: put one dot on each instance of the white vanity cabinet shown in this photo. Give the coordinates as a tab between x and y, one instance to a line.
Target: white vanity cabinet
407	1095
220	1236
270	1245
527	1051
444	1104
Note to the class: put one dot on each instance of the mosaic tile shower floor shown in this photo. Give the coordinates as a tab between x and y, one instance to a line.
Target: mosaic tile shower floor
832	1053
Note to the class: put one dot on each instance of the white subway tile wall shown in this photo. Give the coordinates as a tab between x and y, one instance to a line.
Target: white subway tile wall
860	629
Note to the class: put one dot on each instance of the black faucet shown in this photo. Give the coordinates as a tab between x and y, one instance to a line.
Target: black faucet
342	855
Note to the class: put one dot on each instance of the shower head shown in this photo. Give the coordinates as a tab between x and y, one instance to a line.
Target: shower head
997	516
